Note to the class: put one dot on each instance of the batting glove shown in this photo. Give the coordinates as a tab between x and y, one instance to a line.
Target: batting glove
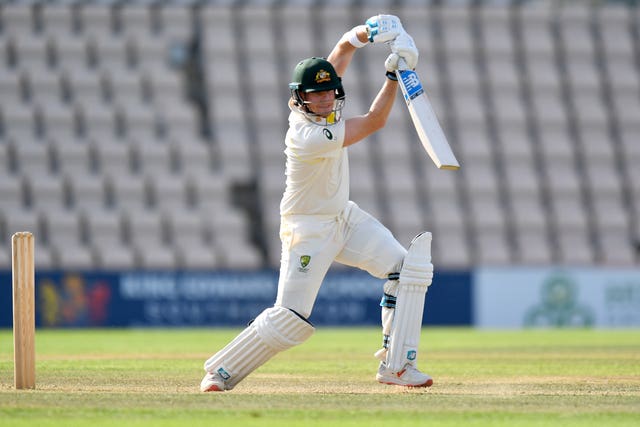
383	28
405	48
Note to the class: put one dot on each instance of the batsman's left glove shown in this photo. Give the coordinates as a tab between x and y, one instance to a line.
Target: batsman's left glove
383	28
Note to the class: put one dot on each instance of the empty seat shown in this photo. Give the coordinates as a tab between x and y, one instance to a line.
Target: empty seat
407	218
17	19
168	192
165	86
447	212
527	213
70	51
178	120
473	143
149	51
492	248
218	38
60	121
95	19
177	25
43	86
617	248
139	120
232	140
487	213
135	20
480	178
532	247
65	237
297	33
11	191
469	107
106	50
614	29
521	178
502	72
98	121
87	193
123	84
515	143
192	241
152	157
627	107
231	237
563	179
85	86
497	37
129	193
543	74
19	122
29	220
73	157
456	28
537	38
590	111
575	247
32	51
57	19
47	192
450	248
569	213
32	157
574	25
13	86
105	234
508	108
148	236
462	73
192	157
111	158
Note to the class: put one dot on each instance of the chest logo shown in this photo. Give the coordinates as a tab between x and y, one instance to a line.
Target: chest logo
328	134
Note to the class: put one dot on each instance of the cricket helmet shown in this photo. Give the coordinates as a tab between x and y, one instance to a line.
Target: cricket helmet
316	75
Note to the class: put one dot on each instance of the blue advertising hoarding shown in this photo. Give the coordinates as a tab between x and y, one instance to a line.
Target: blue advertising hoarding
219	298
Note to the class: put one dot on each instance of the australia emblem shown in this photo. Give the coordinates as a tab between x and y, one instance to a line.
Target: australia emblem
304	263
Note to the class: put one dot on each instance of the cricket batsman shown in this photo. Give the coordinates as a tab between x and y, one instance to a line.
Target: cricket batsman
319	224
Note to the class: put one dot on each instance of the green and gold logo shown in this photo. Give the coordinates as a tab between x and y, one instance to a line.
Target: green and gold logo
323	76
304	261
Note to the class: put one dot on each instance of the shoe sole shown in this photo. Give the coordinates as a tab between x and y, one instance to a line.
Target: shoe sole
429	383
212	387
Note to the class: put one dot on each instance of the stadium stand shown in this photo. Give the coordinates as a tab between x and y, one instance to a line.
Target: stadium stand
149	134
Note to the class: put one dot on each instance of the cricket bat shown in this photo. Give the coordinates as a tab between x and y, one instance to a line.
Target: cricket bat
425	121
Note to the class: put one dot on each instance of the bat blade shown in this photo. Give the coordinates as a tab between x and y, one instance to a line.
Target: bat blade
425	121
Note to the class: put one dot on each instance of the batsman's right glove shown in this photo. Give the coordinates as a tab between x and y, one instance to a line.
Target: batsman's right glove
404	47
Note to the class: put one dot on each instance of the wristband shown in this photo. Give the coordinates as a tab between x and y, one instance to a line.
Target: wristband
352	37
391	76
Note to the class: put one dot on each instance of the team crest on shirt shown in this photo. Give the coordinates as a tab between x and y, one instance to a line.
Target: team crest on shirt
304	263
327	133
323	76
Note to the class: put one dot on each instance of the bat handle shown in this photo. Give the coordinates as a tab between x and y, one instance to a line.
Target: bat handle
402	64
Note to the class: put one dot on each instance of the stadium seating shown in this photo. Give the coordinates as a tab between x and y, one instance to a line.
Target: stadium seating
149	134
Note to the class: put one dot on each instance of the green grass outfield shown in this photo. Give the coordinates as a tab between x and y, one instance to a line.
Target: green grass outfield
482	378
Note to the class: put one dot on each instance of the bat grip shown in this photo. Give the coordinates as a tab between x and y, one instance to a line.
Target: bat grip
402	64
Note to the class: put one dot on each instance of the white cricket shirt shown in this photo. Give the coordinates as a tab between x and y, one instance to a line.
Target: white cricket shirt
317	168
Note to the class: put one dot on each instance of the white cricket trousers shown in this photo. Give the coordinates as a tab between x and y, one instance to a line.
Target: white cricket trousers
310	243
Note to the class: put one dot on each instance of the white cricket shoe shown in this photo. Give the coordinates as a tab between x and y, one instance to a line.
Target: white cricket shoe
212	382
409	376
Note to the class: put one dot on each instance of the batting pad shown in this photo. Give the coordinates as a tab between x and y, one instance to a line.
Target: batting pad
415	277
274	330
